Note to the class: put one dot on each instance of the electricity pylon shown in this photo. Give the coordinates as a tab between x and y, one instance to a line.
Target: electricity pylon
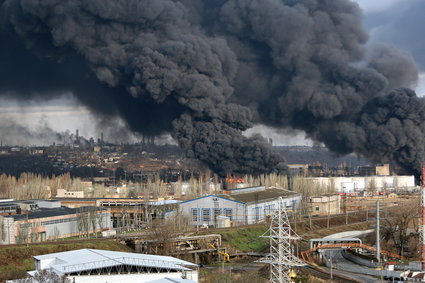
281	258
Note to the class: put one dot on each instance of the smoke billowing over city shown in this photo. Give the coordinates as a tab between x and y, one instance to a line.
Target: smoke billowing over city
205	71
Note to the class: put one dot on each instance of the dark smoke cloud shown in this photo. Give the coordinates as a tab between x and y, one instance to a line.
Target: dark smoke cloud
206	70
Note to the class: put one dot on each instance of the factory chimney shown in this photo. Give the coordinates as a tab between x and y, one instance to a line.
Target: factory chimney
423	218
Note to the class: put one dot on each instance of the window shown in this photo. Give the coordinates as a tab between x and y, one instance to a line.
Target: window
206	214
194	213
228	212
217	212
257	212
317	208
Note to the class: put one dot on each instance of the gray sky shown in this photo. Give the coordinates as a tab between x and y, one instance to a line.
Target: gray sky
396	22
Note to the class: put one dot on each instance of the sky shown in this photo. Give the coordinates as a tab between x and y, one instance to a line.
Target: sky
395	22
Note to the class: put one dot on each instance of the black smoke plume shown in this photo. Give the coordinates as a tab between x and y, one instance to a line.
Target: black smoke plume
205	71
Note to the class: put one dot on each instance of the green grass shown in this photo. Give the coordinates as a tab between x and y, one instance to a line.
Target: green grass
246	239
16	260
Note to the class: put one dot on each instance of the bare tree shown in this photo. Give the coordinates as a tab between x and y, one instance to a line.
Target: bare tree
45	276
396	225
160	238
99	218
83	221
93	219
371	188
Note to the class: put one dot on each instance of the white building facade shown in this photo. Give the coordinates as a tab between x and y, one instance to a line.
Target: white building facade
241	208
51	221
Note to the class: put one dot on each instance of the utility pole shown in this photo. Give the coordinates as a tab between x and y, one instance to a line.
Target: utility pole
367	213
346	210
330	256
378	237
329	212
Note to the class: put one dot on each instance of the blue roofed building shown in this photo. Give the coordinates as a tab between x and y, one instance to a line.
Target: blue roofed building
242	206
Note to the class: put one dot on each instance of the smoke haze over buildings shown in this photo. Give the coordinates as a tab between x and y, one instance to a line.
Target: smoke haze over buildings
205	71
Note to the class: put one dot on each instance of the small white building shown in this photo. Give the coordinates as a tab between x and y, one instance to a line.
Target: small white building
241	206
99	266
325	205
62	193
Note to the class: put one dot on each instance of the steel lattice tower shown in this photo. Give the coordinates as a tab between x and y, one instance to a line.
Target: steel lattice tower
281	258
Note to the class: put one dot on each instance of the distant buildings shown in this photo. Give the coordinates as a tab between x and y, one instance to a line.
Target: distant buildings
241	206
360	184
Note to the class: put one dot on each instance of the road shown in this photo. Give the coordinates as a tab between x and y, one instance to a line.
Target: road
338	261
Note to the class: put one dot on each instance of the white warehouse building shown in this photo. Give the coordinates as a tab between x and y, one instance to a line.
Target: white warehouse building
241	206
361	183
99	266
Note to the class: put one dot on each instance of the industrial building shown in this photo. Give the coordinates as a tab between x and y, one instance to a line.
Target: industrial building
127	212
325	205
40	220
241	206
352	185
91	265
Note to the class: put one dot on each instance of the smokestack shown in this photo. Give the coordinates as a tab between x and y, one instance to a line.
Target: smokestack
378	236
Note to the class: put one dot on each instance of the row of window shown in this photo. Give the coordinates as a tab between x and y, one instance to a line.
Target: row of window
209	214
48	222
56	221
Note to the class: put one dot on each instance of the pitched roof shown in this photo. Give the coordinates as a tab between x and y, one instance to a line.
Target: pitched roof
249	197
88	259
260	196
44	212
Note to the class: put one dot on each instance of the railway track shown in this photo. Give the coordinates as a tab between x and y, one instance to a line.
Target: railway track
312	270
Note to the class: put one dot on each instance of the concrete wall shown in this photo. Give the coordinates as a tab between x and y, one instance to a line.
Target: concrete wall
325	205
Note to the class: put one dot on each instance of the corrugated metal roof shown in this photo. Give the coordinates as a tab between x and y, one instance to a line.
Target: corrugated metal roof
44	212
267	194
216	196
164	202
88	259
